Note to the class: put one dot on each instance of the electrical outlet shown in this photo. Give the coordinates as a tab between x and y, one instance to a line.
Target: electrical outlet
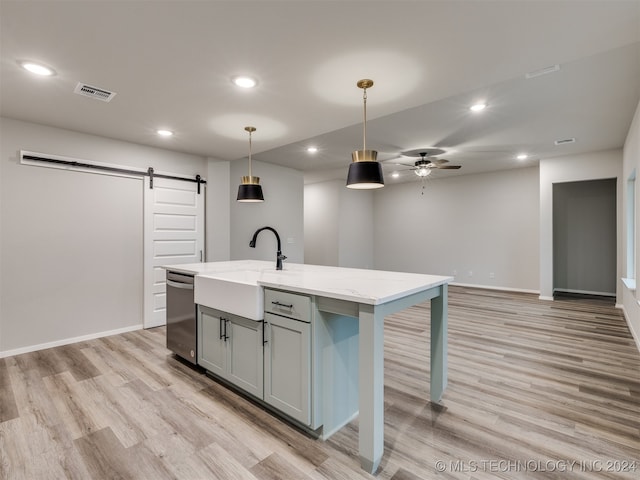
291	240
492	275
455	272
471	273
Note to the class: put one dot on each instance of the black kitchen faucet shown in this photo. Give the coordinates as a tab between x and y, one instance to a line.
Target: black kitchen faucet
279	256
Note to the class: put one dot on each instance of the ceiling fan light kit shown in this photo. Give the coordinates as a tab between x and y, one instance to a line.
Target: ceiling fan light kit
422	168
250	190
365	172
427	162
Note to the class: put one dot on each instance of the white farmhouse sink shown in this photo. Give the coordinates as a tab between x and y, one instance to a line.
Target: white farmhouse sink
234	292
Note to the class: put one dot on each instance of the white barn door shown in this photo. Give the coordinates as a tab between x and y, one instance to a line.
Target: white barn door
173	233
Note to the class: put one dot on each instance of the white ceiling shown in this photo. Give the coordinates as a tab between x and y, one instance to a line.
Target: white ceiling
170	63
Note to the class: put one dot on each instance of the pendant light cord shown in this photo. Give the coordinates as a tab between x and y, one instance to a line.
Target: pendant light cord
249	153
364	136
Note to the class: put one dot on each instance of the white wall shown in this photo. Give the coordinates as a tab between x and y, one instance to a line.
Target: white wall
631	162
2	156
356	219
218	214
588	166
283	209
338	225
484	224
71	242
321	221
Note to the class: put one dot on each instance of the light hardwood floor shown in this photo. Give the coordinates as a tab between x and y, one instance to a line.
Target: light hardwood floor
533	386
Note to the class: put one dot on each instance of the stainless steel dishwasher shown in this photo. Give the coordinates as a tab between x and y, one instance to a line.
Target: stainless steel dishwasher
181	316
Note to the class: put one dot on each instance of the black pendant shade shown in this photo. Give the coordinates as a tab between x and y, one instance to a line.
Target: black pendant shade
250	193
250	190
365	175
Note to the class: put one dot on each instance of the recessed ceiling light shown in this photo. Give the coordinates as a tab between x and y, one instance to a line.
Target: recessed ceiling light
395	174
478	107
312	149
522	156
37	68
244	81
164	133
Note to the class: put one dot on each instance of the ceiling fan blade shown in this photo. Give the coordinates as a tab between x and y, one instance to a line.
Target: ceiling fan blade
403	164
422	152
449	167
393	159
440	161
398	167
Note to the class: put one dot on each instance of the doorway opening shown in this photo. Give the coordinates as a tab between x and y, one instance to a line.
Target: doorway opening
585	238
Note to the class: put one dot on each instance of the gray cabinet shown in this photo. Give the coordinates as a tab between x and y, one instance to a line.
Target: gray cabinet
273	360
231	348
212	347
288	365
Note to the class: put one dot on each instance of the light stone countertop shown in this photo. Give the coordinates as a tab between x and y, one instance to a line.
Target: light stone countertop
372	287
220	267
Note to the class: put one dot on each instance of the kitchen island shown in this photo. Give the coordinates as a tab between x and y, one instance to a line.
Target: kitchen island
366	296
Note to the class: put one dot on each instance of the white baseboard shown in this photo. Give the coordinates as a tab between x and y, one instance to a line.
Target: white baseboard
579	292
634	334
493	287
584	292
67	341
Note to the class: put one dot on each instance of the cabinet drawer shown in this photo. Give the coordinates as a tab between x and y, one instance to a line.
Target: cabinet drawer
287	304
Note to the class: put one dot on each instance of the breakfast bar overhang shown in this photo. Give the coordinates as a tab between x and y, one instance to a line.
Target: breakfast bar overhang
371	295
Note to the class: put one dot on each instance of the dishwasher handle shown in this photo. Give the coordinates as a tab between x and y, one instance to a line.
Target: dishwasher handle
183	286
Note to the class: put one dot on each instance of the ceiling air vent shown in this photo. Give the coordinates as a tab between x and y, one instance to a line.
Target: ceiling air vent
542	71
564	141
94	92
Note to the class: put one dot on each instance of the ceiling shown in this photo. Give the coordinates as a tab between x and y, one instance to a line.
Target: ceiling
170	64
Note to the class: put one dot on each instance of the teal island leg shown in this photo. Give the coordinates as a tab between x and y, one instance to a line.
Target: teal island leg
438	365
371	387
371	366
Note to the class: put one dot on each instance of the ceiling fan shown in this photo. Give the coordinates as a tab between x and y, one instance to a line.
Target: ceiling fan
424	166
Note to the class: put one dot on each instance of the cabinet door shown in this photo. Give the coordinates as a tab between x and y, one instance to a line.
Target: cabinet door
212	350
244	355
287	375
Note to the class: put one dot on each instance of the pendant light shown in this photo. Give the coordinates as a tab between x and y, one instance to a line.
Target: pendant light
365	172
250	189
